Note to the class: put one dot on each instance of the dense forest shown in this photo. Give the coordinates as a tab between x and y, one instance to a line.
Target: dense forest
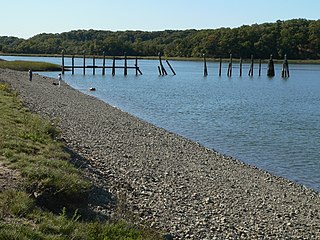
298	38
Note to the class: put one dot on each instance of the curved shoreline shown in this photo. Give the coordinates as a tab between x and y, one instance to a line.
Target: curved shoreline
168	181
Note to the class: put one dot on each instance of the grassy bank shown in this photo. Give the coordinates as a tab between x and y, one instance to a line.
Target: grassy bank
40	189
26	65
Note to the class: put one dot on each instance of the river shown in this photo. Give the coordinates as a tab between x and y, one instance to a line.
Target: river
271	123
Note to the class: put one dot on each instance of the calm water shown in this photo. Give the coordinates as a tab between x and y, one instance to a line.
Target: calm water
270	123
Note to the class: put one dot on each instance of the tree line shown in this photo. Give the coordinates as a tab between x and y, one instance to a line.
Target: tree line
298	38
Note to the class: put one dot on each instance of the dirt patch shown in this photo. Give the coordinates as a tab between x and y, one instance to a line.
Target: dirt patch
9	178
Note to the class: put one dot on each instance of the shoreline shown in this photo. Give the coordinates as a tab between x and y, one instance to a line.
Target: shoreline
167	181
200	59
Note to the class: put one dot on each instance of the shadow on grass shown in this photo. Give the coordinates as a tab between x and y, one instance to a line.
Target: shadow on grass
100	204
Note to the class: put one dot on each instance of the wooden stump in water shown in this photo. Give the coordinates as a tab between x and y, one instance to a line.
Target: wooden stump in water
205	69
270	71
285	68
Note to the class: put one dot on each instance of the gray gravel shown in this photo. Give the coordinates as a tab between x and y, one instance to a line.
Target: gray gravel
166	181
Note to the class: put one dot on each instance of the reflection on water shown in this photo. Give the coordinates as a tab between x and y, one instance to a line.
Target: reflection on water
270	123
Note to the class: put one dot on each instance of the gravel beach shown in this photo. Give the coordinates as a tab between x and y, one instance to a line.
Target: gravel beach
166	181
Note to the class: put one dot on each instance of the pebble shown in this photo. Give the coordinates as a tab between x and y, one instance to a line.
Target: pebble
169	182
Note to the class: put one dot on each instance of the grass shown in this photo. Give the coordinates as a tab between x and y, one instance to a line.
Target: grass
40	206
26	65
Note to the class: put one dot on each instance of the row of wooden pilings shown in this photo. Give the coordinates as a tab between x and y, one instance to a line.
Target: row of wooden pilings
125	67
270	70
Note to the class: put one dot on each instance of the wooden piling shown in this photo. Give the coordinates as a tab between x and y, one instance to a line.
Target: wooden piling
84	62
285	68
136	65
94	64
139	70
62	53
125	71
163	70
220	67
270	71
259	67
240	67
72	65
104	63
205	69
171	68
251	67
114	66
229	72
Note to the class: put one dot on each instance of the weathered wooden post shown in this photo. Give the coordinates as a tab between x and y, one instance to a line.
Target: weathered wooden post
125	72
136	65
285	68
240	67
72	64
104	63
229	72
259	67
251	67
62	53
205	70
270	71
163	70
171	68
84	62
94	64
114	66
220	67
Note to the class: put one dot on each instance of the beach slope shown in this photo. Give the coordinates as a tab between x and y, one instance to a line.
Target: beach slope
166	181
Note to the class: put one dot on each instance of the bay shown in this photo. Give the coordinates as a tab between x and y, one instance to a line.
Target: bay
271	123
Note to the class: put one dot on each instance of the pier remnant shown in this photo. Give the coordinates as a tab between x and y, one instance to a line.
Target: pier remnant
72	62
171	68
259	67
270	71
163	70
113	66
250	74
229	72
62	61
285	68
103	66
125	70
94	64
205	69
84	62
104	63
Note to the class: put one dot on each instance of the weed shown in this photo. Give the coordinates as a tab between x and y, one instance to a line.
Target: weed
51	184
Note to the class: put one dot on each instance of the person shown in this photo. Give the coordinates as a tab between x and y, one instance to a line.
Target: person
59	79
30	75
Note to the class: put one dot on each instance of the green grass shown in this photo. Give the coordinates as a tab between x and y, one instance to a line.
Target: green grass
26	65
40	207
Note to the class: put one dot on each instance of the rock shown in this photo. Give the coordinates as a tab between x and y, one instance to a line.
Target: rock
168	181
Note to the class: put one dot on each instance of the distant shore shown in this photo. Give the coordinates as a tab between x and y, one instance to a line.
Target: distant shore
169	182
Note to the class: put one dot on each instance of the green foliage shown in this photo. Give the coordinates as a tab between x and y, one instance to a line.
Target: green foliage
50	183
299	38
14	202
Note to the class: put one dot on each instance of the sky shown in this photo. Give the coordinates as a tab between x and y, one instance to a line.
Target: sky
27	18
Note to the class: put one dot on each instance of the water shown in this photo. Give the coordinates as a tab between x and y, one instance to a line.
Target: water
270	123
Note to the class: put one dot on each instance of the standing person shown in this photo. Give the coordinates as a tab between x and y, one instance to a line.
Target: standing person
30	75
59	78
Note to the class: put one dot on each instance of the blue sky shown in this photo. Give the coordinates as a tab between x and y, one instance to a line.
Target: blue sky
26	18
